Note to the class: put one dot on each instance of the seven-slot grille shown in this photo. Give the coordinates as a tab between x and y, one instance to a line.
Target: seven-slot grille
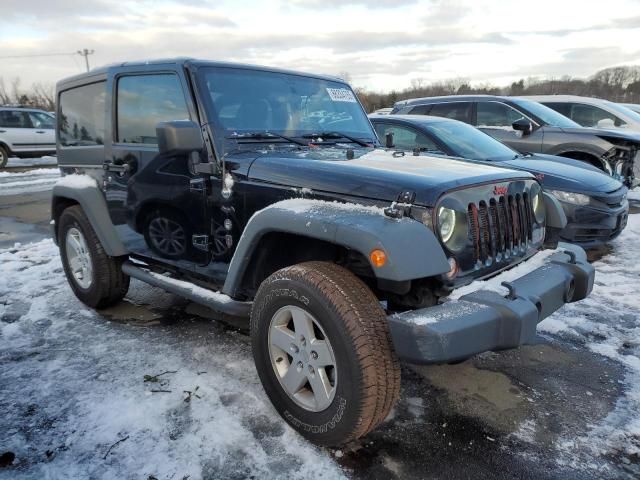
500	228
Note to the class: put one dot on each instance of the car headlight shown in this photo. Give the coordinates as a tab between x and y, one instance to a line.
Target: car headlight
570	197
446	223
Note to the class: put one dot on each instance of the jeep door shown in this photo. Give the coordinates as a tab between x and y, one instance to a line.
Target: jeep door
496	118
155	200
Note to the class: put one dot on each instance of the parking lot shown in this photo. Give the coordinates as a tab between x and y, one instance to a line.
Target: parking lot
154	386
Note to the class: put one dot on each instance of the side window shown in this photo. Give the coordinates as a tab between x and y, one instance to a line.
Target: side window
14	119
143	102
456	110
589	116
420	110
406	138
41	120
495	114
82	115
561	108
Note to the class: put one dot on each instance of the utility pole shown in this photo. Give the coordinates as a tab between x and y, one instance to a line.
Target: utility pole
85	53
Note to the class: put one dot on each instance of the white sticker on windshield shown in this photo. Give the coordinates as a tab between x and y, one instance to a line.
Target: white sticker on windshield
341	95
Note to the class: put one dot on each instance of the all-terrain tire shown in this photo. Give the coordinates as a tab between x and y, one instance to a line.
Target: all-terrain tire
4	156
368	372
108	284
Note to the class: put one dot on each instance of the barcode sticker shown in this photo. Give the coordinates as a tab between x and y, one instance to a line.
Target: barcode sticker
341	95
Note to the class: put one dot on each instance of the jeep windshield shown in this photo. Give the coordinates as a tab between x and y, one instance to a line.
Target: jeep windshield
269	106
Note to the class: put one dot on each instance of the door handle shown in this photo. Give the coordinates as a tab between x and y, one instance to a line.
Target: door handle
2	131
40	131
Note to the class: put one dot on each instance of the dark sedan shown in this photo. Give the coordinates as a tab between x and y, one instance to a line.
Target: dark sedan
595	203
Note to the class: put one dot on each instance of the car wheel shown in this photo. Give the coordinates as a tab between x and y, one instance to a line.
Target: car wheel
95	277
323	352
4	157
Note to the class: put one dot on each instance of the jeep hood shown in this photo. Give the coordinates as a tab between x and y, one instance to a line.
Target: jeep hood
564	174
374	174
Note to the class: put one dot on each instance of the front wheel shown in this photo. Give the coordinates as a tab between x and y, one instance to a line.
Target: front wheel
4	157
323	351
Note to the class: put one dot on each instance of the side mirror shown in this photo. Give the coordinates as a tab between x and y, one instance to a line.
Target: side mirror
179	137
388	140
605	123
522	125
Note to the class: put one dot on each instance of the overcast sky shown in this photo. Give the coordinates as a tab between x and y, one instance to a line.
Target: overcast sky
382	44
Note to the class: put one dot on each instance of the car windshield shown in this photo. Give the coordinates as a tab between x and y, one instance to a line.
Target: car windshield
622	110
245	101
467	142
546	114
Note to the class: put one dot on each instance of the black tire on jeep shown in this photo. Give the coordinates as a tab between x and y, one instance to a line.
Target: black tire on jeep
95	277
4	156
323	351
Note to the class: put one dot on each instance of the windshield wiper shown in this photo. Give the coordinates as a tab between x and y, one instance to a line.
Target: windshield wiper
266	135
336	135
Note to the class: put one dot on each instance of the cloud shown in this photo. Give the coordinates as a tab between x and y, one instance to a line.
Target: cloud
326	4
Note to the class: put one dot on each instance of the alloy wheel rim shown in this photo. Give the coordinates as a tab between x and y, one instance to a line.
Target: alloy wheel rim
79	258
168	237
302	358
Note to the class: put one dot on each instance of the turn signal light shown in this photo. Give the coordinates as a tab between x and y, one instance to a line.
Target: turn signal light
378	257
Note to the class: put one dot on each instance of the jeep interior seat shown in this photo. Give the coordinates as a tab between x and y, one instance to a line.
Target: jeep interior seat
255	114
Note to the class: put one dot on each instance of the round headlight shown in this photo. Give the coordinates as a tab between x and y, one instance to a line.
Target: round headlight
538	207
446	223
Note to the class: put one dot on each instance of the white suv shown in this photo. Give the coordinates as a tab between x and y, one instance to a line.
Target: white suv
25	132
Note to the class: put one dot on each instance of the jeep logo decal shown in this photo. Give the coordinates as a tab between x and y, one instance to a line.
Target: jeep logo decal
498	190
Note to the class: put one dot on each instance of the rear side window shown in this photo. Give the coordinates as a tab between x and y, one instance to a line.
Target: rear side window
589	116
82	115
563	108
146	100
420	110
14	119
456	110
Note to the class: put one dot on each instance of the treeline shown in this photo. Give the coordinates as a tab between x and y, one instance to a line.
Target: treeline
40	95
618	84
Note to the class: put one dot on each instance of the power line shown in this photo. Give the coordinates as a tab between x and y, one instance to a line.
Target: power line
39	55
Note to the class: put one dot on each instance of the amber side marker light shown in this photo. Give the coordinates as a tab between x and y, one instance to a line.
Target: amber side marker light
378	257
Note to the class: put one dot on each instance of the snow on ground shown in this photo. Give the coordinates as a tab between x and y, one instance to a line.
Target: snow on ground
73	384
634	194
38	180
608	323
28	162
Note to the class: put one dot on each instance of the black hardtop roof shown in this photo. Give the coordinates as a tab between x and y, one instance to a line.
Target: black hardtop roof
183	62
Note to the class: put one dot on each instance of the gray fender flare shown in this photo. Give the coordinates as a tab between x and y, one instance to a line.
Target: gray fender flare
412	249
95	208
555	216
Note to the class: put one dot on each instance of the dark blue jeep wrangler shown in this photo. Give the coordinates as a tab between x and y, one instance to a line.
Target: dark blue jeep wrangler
265	193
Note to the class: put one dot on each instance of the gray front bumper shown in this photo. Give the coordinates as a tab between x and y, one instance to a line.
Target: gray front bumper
485	320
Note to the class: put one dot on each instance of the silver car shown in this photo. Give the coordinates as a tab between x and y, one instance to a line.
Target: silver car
591	112
530	127
25	132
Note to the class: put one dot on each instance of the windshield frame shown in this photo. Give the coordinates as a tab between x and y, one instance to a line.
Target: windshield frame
225	139
546	115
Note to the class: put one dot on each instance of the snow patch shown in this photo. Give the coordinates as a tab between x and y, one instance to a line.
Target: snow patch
76	180
494	283
304	205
